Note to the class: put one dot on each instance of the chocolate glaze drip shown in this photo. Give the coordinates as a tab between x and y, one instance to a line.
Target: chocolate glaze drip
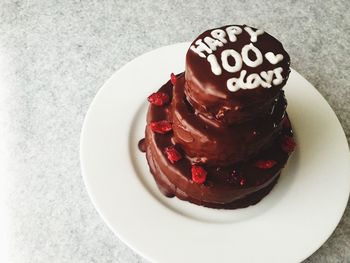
225	132
142	145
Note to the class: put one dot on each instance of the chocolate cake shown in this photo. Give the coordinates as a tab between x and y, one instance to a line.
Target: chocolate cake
218	134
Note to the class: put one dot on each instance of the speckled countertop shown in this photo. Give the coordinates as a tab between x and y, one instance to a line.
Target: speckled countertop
55	55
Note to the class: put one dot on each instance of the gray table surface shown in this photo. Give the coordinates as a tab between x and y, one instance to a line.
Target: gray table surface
55	55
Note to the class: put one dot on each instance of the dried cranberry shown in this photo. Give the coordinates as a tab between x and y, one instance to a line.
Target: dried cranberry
199	175
161	127
265	164
242	182
172	154
158	98
173	79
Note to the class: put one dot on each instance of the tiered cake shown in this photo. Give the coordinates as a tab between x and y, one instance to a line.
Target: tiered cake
218	134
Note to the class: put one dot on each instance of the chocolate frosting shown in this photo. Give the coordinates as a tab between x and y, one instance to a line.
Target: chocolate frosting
224	131
208	92
211	143
222	188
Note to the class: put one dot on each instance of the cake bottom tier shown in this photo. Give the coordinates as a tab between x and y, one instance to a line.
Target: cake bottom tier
229	187
168	189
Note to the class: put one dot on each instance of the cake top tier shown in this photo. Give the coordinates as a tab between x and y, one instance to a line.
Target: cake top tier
235	59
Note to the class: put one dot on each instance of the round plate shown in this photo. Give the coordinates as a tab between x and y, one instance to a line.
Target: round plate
288	225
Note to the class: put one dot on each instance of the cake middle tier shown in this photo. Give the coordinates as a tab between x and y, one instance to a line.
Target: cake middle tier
208	142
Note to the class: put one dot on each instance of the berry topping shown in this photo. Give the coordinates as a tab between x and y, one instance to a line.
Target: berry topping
199	175
265	164
172	154
242	182
158	98
288	144
161	127
173	78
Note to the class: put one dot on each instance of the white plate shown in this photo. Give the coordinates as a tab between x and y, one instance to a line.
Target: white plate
288	225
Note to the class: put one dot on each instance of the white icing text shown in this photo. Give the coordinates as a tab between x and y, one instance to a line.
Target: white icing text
232	61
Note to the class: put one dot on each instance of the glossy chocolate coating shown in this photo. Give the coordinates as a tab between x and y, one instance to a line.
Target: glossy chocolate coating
207	141
223	131
222	188
208	93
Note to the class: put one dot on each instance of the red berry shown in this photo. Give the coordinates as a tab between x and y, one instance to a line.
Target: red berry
173	78
242	182
158	98
265	164
161	127
288	144
199	175
172	154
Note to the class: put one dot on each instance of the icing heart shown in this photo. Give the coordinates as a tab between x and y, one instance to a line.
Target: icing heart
272	58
